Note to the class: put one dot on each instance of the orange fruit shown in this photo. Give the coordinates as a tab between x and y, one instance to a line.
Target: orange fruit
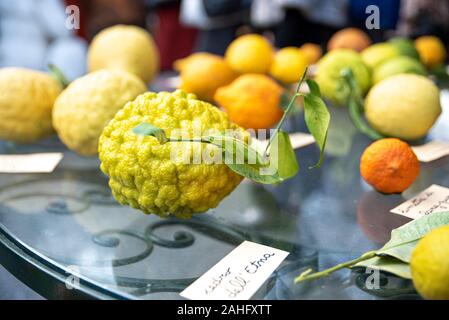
389	165
252	101
349	38
312	51
431	50
204	74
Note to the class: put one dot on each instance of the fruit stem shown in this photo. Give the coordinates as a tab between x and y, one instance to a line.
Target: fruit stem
308	275
355	105
286	112
58	75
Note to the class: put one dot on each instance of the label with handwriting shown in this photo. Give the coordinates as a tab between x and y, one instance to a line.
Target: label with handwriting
433	199
432	151
29	163
237	276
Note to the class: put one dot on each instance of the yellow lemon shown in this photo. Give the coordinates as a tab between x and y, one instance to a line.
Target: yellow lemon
289	65
430	265
127	48
250	53
379	53
86	106
26	102
403	106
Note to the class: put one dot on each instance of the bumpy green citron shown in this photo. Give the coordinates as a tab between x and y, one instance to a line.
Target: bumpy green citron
402	64
403	106
86	106
154	177
430	265
329	74
26	101
127	48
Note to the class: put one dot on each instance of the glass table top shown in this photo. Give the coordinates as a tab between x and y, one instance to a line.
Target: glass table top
68	221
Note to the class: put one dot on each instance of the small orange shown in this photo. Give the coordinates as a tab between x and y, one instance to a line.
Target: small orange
349	38
389	165
431	50
252	101
312	51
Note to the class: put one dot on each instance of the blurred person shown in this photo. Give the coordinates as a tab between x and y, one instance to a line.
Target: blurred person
174	40
218	21
100	14
34	33
296	22
423	17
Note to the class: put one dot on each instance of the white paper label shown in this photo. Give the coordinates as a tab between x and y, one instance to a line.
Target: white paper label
298	140
433	199
431	151
237	276
29	163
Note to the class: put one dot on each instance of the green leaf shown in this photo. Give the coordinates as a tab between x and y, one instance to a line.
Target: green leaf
400	247
147	129
283	156
404	239
57	74
314	88
356	105
317	118
249	160
387	264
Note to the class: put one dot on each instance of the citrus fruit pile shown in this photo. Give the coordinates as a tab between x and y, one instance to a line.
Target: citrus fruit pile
391	89
247	82
36	104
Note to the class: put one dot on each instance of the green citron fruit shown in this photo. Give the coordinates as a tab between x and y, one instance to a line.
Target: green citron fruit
329	77
378	53
146	175
403	106
26	102
86	106
398	65
430	265
406	47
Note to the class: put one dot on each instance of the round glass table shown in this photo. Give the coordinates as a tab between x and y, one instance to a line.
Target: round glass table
64	235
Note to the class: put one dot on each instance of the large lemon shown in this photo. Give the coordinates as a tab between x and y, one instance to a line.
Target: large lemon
127	48
403	106
250	53
86	106
430	265
329	76
26	101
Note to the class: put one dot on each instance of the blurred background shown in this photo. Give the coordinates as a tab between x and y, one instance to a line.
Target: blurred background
33	32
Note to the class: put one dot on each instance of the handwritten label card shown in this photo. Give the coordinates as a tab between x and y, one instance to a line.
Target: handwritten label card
431	151
29	163
237	276
433	199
